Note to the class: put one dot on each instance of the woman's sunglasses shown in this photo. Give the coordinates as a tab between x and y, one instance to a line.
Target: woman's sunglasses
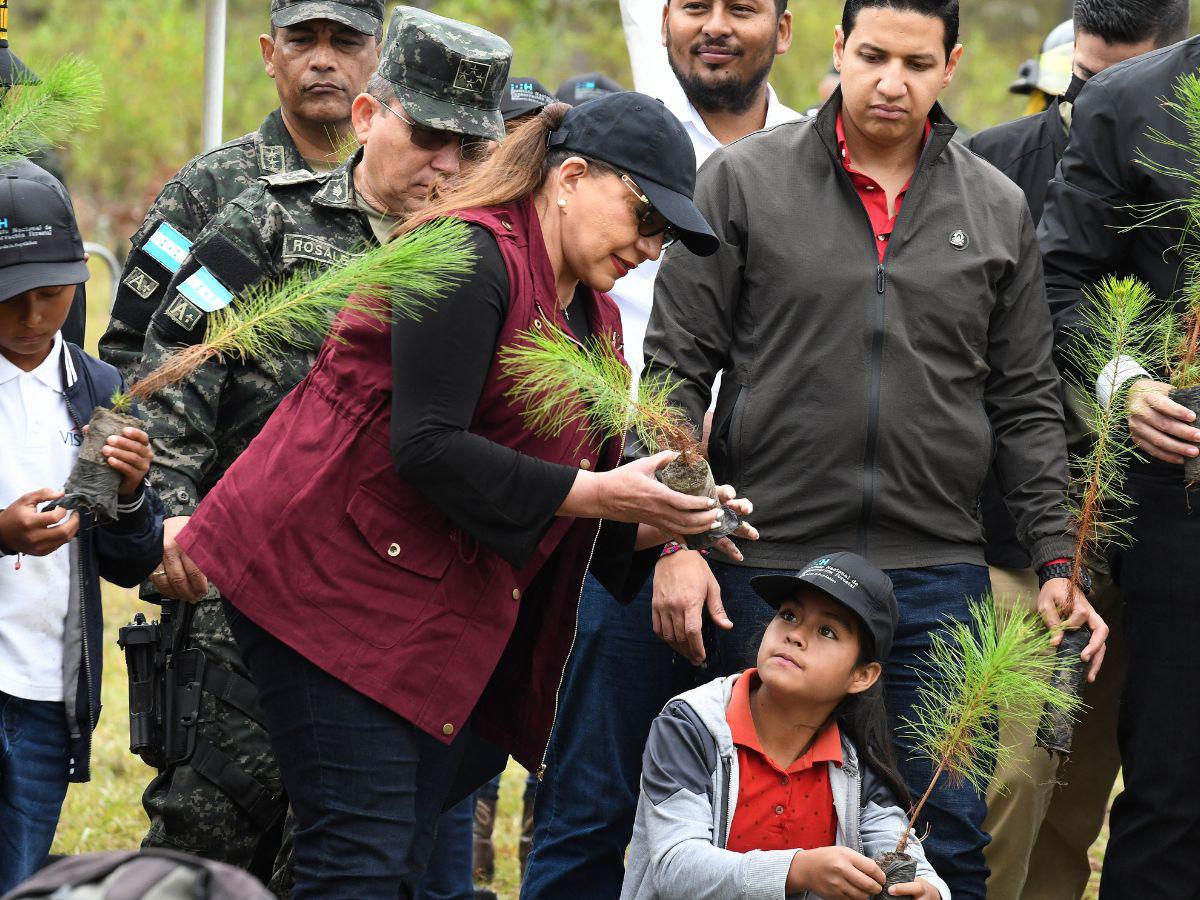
647	226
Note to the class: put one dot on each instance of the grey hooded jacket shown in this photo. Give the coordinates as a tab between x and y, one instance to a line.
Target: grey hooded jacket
689	789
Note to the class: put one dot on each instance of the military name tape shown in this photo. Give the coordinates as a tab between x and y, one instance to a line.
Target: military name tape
168	247
205	291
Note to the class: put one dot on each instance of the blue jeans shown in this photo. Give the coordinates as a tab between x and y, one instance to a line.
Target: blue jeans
954	815
366	786
448	876
34	768
621	675
619	678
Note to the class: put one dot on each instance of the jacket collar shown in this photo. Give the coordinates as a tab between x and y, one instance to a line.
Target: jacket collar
943	129
338	190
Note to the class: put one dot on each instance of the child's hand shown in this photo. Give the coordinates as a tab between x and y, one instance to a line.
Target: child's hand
835	873
919	888
130	454
25	530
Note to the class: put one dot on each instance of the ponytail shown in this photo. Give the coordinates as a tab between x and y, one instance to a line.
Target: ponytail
514	171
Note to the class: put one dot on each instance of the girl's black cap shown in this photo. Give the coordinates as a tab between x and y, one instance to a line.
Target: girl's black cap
850	580
40	245
640	136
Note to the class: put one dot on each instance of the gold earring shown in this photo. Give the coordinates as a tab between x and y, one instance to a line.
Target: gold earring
562	202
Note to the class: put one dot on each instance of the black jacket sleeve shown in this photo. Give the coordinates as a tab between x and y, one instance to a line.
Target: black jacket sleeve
504	498
1080	232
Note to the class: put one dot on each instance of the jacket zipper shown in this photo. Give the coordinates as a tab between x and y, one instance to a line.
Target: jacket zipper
562	676
868	482
87	665
727	766
87	727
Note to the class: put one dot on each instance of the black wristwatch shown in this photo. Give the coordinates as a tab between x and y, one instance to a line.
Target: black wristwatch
1062	569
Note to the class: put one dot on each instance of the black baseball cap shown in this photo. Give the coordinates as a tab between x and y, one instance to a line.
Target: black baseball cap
40	243
850	580
640	136
523	96
579	89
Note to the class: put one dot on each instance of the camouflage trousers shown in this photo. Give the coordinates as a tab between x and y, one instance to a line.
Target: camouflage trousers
187	810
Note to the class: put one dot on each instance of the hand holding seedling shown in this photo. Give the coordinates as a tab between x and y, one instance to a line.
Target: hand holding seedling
25	530
177	577
1158	425
1058	598
130	454
835	873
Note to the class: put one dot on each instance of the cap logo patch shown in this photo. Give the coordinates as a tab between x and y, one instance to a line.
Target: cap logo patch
959	239
167	247
472	76
4	224
140	283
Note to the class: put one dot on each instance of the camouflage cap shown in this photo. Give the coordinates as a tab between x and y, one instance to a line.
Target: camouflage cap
448	75
361	15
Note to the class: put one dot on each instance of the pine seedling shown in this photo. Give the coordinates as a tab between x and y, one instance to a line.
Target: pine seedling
994	665
562	384
397	278
50	111
1118	321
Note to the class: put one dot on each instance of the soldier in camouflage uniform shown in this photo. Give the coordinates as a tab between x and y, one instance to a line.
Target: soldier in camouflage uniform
320	54
225	803
439	83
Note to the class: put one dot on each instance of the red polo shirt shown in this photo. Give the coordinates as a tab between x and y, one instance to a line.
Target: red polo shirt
874	197
780	809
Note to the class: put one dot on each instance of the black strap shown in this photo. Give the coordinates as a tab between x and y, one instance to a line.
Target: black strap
251	797
233	689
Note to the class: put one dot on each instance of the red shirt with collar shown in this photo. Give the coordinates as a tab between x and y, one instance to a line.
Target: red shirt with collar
780	809
874	197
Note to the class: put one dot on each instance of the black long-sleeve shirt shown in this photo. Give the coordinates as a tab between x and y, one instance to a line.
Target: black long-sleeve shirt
504	498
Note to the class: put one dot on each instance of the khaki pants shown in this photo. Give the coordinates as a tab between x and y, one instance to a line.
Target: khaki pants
1043	817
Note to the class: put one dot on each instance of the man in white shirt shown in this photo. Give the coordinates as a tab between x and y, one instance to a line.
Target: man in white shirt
708	61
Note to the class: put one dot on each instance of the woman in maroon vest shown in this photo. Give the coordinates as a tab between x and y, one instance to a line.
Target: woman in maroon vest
401	558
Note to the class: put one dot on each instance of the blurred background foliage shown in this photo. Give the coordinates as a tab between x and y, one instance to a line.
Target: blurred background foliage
151	55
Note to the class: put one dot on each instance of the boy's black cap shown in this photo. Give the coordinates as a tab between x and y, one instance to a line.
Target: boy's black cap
579	89
523	96
851	581
640	136
39	239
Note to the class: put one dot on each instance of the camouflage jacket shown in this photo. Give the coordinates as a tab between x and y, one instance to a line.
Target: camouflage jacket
283	224
187	203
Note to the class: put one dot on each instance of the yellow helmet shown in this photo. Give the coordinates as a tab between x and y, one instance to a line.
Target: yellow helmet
1050	73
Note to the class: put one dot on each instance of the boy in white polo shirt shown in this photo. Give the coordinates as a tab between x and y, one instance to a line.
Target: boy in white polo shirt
51	561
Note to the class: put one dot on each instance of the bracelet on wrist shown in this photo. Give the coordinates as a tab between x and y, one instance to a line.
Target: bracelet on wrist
1061	568
671	547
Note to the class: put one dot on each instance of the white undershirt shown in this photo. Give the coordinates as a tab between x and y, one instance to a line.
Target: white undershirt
652	75
38	449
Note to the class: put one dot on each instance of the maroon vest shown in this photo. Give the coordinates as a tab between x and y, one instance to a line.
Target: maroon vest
314	536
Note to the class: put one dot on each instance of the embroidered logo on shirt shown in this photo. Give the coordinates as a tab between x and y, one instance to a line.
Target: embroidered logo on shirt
140	283
167	247
203	289
959	239
305	247
184	313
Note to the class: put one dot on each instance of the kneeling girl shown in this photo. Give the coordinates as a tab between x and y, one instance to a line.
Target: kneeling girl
782	779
